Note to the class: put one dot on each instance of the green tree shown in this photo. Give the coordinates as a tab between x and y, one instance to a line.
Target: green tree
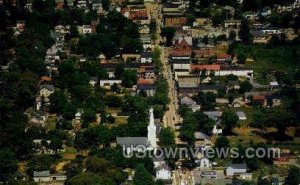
89	115
129	78
293	177
241	58
281	118
168	33
222	142
8	164
244	32
89	178
245	86
259	119
232	35
58	101
74	31
167	137
229	120
56	144
142	176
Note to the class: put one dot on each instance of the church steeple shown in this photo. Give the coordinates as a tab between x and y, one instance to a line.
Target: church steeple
151	130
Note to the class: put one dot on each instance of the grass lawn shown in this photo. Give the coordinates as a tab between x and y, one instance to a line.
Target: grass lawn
121	120
267	59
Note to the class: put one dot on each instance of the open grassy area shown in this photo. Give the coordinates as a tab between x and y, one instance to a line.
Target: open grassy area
121	120
268	58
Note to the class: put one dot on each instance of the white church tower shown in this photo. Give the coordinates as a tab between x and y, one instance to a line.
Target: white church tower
151	130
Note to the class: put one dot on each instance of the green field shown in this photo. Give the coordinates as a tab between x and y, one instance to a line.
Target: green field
267	58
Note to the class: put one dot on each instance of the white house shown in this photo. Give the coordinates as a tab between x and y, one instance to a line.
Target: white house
241	115
236	169
131	144
225	71
86	29
217	129
163	172
45	177
46	91
205	163
42	176
109	82
146	57
181	64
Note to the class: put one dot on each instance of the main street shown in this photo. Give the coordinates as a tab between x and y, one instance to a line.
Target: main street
171	117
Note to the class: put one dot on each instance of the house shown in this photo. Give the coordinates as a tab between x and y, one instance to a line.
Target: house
42	176
241	115
260	37
271	30
266	12
236	170
85	29
20	25
181	71
179	38
131	144
214	115
210	68
182	51
163	172
202	50
202	140
109	82
214	88
174	20
186	100
262	98
144	29
140	16
146	85
41	146
217	129
46	90
146	72
235	24
188	81
97	6
93	81
125	56
209	174
235	70
118	1
83	4
181	64
46	177
229	9
62	29
146	57
191	91
274	85
57	37
39	118
223	58
146	40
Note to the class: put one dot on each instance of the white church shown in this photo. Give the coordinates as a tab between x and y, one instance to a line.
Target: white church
131	144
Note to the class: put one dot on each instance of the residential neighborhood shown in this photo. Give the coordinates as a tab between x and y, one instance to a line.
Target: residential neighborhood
150	92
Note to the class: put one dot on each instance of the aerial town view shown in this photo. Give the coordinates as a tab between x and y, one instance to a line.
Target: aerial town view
150	92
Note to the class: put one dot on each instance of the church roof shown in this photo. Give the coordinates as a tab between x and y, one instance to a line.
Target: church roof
132	141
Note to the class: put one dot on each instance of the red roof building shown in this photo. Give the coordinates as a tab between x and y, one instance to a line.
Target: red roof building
212	67
182	49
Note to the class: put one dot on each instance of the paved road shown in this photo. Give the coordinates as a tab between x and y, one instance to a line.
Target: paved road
171	117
